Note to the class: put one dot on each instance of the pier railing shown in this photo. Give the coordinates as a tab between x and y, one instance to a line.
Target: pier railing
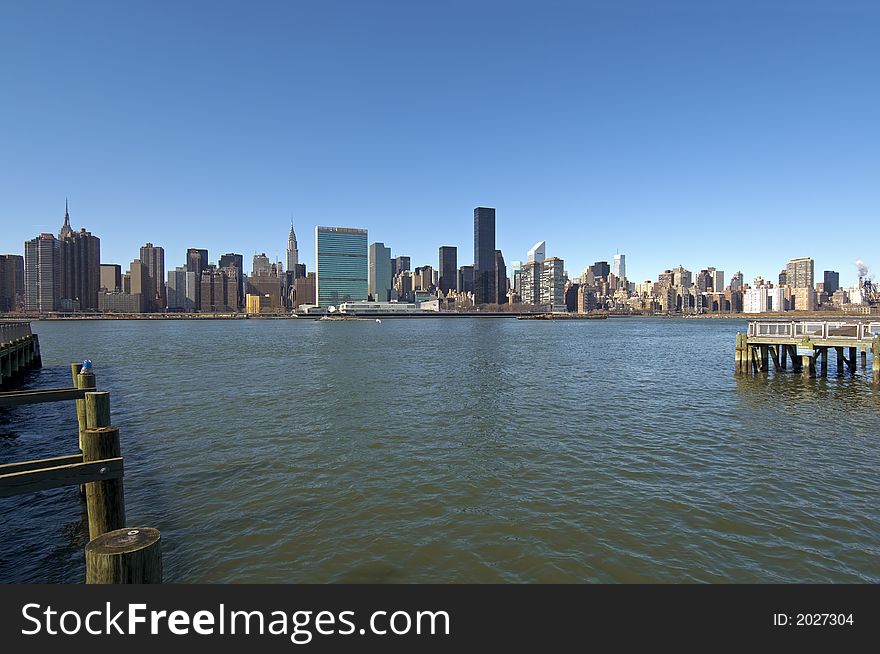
819	329
11	332
114	554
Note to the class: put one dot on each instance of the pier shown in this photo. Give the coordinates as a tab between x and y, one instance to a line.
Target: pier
115	553
19	352
807	345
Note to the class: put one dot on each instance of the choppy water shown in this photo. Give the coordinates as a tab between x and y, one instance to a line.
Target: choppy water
466	450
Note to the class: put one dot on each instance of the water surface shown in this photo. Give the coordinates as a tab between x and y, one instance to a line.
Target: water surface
457	450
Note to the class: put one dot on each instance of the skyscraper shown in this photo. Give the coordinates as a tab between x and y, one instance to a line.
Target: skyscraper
799	272
42	273
111	277
831	281
619	266
500	278
538	252
448	268
485	289
466	279
154	258
261	265
340	265
80	258
196	260
379	276
233	260
401	264
11	282
600	269
292	252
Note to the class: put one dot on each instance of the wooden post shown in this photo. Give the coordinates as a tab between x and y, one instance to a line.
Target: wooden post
125	556
823	352
839	351
864	357
875	359
765	358
738	356
808	367
852	360
84	380
105	501
97	409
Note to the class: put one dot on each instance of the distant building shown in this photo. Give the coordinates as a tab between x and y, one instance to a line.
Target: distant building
485	290
119	302
619	266
11	282
538	252
341	265
111	277
401	264
756	300
379	273
80	260
553	284
831	281
292	252
448	268
736	283
219	288
682	277
42	273
799	273
154	258
530	282
304	290
600	269
466	279
196	260
177	297
804	298
261	265
423	278
717	280
500	278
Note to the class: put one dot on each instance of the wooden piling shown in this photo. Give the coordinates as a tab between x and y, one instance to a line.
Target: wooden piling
823	353
85	380
875	359
97	409
105	499
125	556
765	358
808	367
852	361
839	351
864	354
738	356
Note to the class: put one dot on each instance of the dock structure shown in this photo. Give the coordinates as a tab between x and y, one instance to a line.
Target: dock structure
19	352
115	554
807	345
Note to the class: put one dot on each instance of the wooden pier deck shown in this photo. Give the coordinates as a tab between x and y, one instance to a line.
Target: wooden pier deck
807	345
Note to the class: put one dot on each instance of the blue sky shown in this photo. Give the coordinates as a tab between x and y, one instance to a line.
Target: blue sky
733	134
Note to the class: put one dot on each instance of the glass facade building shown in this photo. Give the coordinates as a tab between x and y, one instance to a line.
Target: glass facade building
485	288
341	265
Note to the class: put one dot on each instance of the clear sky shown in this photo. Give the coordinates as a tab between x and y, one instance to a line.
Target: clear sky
729	134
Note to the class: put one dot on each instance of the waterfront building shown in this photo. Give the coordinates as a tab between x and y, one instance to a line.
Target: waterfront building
154	258
42	273
179	295
553	284
80	260
196	260
783	277
304	290
804	298
737	282
776	299
379	274
447	280
530	282
233	260
140	283
341	265
366	308
111	277
423	278
618	268
119	302
11	282
403	286
292	253
717	280
755	299
799	273
485	289
831	281
500	278
219	289
465	279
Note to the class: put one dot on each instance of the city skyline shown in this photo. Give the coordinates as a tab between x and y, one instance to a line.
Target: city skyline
600	129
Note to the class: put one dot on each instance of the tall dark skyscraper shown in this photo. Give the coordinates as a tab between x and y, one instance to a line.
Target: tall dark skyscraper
196	260
466	279
500	278
448	268
42	273
80	258
485	288
601	269
401	264
154	258
831	281
11	282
